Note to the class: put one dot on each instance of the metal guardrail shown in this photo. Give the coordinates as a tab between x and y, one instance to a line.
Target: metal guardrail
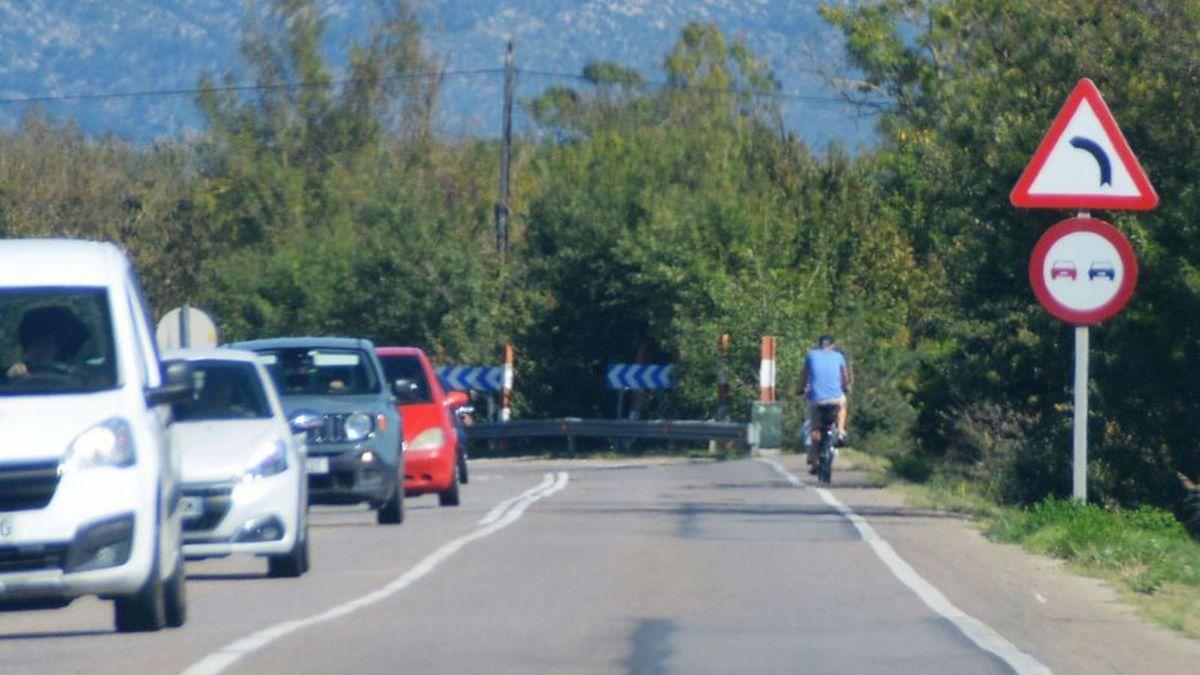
570	428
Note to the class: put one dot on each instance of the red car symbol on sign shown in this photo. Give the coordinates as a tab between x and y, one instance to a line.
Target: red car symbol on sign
1063	268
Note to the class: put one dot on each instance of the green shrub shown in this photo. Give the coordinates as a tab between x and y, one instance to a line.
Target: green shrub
1143	548
911	468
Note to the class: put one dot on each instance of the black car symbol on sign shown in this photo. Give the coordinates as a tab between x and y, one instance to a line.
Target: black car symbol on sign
1102	268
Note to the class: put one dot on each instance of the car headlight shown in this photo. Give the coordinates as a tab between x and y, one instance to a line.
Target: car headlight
430	439
109	443
269	459
359	426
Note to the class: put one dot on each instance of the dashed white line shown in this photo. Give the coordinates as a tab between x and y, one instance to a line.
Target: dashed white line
225	657
975	630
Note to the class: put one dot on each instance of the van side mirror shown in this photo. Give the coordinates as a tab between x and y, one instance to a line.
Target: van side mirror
178	386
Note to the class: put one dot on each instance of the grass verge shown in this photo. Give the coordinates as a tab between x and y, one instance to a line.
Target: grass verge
874	467
1146	554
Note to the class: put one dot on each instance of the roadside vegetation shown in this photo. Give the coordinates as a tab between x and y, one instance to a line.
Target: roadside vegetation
1145	553
654	217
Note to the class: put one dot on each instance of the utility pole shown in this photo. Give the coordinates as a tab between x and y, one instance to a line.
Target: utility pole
505	153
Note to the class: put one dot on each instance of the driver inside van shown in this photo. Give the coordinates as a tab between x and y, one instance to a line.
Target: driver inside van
50	338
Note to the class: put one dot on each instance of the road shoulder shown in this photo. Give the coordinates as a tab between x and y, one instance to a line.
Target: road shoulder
1073	624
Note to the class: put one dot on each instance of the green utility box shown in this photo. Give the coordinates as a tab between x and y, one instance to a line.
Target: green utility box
768	415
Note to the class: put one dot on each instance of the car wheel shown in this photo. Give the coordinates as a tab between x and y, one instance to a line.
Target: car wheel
175	595
145	609
392	511
449	496
293	563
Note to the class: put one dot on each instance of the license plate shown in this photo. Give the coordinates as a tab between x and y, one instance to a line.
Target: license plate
193	507
8	527
318	464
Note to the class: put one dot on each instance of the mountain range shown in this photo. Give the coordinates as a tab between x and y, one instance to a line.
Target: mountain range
51	49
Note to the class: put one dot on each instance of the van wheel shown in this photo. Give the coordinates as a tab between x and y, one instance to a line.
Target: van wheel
144	610
175	596
293	563
449	496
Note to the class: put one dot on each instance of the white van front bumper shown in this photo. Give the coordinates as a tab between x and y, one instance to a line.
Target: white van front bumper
96	536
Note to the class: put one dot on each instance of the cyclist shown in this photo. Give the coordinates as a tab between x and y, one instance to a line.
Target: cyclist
826	381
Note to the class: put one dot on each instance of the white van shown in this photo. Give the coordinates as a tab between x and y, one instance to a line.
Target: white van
89	482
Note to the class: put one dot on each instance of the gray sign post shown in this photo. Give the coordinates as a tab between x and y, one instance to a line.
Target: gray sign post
1079	445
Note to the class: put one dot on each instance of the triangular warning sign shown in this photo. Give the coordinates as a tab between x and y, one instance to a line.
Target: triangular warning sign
1084	162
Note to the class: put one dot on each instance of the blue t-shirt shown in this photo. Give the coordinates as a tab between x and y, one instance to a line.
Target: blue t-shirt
824	373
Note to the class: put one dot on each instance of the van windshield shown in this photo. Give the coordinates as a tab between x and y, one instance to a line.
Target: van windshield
55	341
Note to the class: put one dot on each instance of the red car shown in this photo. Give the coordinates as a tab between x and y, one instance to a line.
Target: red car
434	461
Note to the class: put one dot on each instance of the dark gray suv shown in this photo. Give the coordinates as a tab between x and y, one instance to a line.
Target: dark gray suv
335	391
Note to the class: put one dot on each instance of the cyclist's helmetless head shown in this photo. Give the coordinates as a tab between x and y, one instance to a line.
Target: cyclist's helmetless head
825	340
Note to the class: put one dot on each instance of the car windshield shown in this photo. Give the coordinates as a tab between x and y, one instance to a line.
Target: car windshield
408	368
224	390
305	371
55	341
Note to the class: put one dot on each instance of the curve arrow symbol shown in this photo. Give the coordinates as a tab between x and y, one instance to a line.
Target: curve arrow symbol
1097	152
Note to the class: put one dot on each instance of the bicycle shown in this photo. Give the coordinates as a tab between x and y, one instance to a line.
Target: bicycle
827	425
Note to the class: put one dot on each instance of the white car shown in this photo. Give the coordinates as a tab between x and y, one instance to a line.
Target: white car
89	480
245	490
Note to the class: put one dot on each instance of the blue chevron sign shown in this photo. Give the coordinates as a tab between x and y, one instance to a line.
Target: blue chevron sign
638	376
471	378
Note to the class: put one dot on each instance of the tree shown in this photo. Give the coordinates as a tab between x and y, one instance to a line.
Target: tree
671	215
974	85
331	201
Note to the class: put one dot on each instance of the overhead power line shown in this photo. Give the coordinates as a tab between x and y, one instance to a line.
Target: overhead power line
192	91
149	93
715	90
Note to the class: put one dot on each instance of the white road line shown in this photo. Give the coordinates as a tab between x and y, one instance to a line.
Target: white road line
230	654
500	508
976	631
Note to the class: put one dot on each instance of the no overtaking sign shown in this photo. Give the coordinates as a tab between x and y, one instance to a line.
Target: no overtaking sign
1083	271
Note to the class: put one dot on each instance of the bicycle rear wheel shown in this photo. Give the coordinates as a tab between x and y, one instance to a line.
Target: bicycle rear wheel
825	458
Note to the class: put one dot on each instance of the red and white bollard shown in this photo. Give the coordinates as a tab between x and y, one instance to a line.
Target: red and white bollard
766	372
506	392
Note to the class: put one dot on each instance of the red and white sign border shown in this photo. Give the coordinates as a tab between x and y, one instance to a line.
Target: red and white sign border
1145	200
1128	278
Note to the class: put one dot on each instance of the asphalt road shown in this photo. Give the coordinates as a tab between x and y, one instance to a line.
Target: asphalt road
564	567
